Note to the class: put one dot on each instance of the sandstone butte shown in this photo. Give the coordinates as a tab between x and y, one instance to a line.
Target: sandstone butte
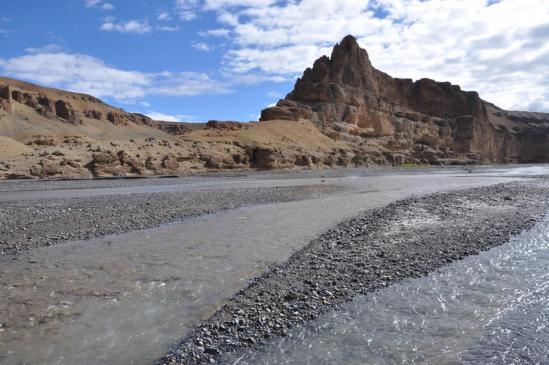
341	112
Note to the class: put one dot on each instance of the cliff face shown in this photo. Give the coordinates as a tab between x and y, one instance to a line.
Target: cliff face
401	121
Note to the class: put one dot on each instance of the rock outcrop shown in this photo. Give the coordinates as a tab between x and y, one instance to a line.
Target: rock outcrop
5	97
412	122
74	108
65	111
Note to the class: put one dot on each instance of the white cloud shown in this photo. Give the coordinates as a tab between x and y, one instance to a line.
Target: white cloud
87	74
44	49
99	4
187	9
220	32
167	28
188	84
130	26
164	16
171	118
201	46
499	49
92	3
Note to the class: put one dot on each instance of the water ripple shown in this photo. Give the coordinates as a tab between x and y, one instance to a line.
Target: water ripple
487	309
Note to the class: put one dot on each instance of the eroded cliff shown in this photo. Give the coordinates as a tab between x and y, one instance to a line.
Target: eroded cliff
401	121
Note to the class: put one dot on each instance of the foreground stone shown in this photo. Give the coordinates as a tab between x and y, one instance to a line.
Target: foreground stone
410	238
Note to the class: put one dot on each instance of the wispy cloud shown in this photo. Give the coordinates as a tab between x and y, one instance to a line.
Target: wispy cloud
130	26
164	16
187	9
171	118
167	28
87	74
201	46
497	48
99	4
220	32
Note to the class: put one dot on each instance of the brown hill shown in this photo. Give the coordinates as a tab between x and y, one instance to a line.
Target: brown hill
411	122
47	133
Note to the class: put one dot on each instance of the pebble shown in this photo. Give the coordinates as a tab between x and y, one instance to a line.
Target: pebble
369	255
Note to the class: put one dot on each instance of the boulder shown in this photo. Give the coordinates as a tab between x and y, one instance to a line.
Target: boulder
116	118
272	158
93	114
5	98
169	162
64	110
5	92
17	95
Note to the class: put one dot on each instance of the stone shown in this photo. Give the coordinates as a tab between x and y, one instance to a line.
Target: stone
5	98
170	162
93	114
64	110
45	103
17	96
5	92
116	118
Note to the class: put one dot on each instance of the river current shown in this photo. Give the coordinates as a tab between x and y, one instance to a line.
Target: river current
487	309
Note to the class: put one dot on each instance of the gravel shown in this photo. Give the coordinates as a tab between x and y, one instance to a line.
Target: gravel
44	222
409	238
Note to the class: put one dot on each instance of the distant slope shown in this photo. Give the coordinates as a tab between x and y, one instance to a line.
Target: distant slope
50	133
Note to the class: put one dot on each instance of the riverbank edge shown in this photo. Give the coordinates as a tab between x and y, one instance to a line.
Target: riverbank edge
408	238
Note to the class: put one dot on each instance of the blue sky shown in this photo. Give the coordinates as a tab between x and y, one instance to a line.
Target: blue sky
196	60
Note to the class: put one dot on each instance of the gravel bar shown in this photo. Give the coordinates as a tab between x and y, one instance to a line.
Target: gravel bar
32	223
409	238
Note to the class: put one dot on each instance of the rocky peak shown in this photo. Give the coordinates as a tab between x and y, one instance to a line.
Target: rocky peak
349	65
349	99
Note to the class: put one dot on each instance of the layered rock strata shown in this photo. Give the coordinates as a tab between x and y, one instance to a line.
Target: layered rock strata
420	121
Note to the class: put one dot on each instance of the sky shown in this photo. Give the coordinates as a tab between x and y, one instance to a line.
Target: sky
197	60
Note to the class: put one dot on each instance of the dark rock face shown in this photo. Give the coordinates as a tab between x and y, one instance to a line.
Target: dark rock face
219	124
351	100
116	118
64	110
93	114
174	128
5	92
5	98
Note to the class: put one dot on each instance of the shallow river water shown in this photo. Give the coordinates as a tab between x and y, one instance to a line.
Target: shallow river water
487	309
125	299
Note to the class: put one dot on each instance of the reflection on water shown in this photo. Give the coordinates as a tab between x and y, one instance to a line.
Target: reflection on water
491	308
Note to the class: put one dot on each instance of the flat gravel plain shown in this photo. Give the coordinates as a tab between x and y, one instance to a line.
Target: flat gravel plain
42	222
409	238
